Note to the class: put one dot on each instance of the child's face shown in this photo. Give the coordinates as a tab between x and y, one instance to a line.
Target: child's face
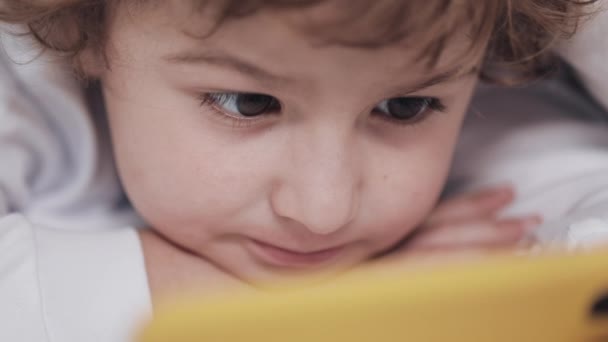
322	173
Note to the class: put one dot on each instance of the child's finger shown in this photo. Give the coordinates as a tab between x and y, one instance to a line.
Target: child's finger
476	234
473	206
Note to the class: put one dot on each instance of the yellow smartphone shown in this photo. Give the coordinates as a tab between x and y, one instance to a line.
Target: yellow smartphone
552	298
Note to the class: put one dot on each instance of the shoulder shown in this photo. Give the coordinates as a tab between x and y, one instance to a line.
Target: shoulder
19	287
71	284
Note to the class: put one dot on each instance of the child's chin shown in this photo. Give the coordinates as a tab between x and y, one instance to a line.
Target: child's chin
268	277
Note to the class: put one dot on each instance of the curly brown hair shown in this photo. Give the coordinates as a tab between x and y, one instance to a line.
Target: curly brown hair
516	34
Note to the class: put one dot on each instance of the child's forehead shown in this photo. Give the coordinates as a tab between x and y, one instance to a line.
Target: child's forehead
359	23
425	28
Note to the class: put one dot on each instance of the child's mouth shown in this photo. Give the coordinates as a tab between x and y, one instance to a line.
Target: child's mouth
281	257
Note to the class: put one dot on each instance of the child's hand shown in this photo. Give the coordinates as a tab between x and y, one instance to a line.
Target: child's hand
469	223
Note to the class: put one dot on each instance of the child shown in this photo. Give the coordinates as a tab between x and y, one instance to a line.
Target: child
259	140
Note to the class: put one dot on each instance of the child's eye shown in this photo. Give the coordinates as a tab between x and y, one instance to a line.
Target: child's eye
241	105
408	109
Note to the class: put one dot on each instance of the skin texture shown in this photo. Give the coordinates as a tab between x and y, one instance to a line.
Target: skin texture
326	171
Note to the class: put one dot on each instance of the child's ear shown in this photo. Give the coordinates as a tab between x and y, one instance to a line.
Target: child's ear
91	63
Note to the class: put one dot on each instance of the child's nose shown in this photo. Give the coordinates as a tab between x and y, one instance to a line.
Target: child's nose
320	189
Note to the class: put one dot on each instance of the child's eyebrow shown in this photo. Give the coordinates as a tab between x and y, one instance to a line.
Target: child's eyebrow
222	59
439	78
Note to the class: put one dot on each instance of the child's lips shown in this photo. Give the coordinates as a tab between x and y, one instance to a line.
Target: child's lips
281	257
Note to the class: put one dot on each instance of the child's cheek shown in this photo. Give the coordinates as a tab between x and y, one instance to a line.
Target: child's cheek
409	180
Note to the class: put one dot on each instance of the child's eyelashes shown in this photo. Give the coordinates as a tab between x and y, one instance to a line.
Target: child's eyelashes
246	105
245	109
408	110
241	109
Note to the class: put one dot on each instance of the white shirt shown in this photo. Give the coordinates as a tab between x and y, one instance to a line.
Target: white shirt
70	286
84	279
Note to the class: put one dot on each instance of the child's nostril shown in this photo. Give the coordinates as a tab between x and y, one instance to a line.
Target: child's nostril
600	307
